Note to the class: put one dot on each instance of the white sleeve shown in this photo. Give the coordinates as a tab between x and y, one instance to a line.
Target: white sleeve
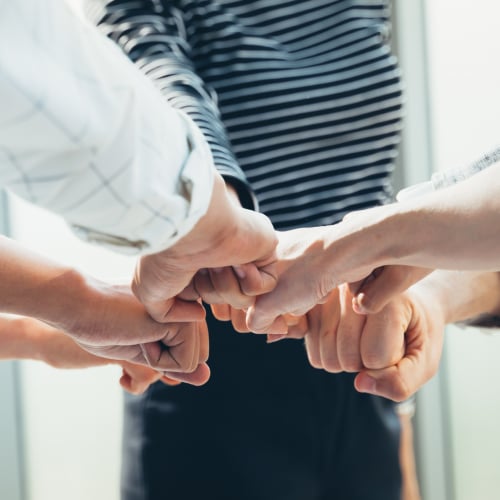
445	178
84	134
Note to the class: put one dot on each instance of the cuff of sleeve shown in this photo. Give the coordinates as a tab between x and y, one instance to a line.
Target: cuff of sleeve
168	225
245	194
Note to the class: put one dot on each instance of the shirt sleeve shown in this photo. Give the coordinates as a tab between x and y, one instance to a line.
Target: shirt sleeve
87	136
155	35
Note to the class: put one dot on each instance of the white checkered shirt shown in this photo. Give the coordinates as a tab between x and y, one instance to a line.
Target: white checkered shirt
85	135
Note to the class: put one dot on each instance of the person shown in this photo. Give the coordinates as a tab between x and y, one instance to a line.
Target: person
305	98
88	137
447	228
23	338
106	320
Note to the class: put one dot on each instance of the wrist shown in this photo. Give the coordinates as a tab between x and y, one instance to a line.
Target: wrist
68	311
363	241
219	236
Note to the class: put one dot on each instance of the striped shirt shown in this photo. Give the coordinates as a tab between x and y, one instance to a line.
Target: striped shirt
299	100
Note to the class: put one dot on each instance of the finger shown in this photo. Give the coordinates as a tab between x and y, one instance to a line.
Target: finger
277	327
348	333
205	287
198	377
271	339
222	312
177	352
390	281
239	320
397	382
136	379
285	298
298	328
383	337
313	351
204	342
170	381
420	364
127	384
329	316
321	339
174	310
227	285
256	280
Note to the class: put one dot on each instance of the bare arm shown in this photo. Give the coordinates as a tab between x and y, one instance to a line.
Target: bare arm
105	320
454	228
30	339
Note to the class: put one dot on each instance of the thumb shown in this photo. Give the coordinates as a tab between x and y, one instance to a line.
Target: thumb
397	382
255	279
175	310
383	284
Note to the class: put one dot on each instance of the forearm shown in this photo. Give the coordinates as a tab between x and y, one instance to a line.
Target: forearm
33	286
453	228
461	295
29	339
109	154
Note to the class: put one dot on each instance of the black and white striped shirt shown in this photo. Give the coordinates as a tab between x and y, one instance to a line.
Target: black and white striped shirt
302	99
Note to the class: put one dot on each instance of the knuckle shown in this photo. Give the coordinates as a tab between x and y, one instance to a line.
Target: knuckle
331	364
315	361
351	363
375	360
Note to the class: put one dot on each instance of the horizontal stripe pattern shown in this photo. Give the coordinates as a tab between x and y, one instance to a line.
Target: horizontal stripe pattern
301	98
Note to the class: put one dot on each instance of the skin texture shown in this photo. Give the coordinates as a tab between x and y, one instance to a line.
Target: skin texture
109	322
105	320
396	350
227	235
27	338
453	228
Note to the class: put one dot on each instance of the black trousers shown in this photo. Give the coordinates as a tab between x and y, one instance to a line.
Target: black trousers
267	426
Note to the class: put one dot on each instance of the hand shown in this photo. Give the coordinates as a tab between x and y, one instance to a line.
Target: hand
375	291
339	340
114	324
423	324
303	280
226	236
136	379
293	326
395	351
28	338
313	261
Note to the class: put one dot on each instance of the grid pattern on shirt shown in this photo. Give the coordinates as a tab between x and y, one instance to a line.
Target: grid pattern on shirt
78	120
304	97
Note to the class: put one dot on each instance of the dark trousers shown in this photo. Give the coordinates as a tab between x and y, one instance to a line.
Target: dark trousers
266	426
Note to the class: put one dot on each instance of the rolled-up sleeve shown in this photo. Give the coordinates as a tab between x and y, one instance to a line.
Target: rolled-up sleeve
155	35
84	134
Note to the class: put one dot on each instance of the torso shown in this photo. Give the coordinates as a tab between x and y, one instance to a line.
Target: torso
311	99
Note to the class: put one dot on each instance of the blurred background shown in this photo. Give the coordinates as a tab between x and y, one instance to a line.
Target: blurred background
60	431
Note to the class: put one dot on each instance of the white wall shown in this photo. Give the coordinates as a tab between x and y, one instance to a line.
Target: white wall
72	420
464	50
